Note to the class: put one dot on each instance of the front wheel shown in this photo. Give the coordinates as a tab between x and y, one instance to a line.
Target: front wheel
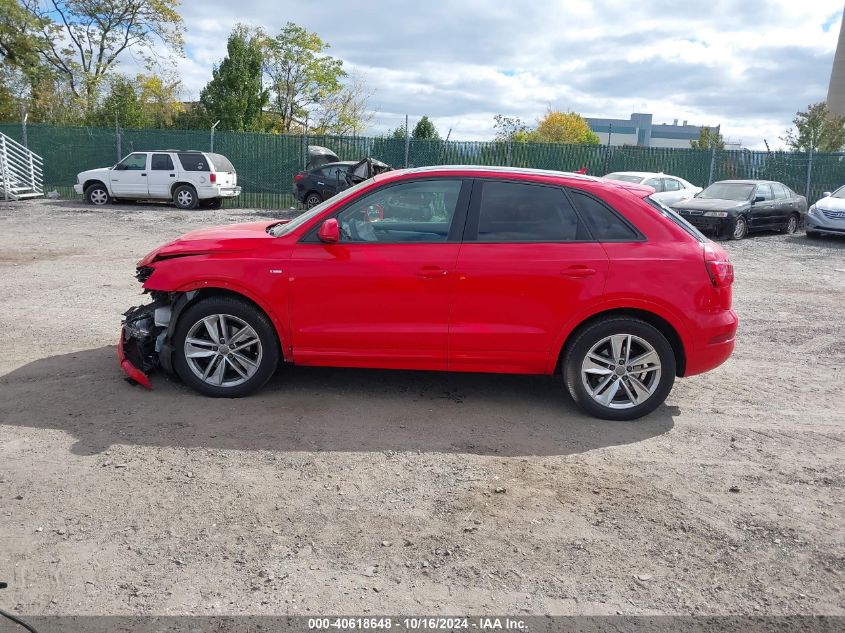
97	195
740	228
225	347
619	368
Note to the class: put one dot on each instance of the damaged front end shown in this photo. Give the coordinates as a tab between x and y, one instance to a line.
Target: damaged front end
142	338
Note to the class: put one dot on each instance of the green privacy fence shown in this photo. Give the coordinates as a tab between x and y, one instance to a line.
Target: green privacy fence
267	163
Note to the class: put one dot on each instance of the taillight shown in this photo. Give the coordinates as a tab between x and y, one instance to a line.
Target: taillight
298	177
212	177
721	273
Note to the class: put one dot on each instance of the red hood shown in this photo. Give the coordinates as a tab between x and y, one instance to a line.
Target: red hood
215	239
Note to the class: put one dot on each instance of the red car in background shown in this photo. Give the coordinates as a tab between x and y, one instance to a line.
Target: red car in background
475	269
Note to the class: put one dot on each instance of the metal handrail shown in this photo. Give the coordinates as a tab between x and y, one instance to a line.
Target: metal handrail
21	172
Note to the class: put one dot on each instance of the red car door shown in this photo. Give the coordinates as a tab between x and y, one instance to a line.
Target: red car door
526	264
380	296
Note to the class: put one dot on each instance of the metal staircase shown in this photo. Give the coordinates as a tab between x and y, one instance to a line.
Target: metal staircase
21	171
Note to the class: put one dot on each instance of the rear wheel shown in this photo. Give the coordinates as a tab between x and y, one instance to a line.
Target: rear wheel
225	347
312	200
791	224
185	197
619	368
97	194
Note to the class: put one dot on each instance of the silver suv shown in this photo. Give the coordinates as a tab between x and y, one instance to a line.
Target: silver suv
188	178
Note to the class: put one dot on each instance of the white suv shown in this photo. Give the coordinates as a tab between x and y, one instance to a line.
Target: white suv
188	178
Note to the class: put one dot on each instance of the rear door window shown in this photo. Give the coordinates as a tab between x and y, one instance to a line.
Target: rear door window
193	162
521	212
780	191
605	224
670	184
161	162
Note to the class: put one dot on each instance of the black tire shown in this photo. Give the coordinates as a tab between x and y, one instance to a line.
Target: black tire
738	228
591	335
97	194
312	200
267	362
211	203
185	197
791	224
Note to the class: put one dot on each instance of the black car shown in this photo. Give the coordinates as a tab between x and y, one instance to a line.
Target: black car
734	208
320	183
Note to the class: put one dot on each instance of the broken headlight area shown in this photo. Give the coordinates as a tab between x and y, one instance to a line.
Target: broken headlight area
143	333
142	273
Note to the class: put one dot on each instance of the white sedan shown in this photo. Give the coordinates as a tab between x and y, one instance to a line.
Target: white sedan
667	189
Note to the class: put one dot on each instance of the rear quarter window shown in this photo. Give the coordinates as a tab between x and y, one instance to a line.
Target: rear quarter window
605	224
221	163
193	162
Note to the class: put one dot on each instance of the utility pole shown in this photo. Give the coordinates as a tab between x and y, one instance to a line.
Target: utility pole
607	151
809	173
212	134
117	136
407	141
305	141
712	165
24	117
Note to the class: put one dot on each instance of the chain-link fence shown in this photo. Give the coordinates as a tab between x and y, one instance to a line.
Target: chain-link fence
267	163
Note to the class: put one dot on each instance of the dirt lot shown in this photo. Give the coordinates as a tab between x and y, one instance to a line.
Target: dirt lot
352	491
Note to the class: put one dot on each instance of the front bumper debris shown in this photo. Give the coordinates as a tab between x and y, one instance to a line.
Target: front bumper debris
141	337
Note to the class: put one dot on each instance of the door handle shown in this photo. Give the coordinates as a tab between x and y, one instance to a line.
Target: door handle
578	272
173	175
143	174
432	272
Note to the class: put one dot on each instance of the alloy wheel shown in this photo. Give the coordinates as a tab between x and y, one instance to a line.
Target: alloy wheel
312	201
792	224
621	371
99	196
223	350
740	228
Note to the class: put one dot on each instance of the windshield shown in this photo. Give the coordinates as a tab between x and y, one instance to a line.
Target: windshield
669	214
839	193
285	229
738	191
625	178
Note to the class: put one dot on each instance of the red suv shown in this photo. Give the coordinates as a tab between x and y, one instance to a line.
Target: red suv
474	269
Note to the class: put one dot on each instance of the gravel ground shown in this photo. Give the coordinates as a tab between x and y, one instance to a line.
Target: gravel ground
357	491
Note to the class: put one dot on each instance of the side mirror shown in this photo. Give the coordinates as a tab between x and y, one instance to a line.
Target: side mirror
759	199
825	194
329	231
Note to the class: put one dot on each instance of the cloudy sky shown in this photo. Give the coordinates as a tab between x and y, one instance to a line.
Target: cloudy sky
745	64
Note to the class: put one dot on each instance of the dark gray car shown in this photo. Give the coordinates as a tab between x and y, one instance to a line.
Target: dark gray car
734	208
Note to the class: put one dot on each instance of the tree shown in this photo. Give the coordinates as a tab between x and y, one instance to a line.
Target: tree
816	129
424	130
708	139
398	133
81	40
301	75
563	127
235	95
344	111
18	36
510	128
121	103
159	98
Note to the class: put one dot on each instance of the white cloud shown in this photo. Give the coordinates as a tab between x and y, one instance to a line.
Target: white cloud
746	65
